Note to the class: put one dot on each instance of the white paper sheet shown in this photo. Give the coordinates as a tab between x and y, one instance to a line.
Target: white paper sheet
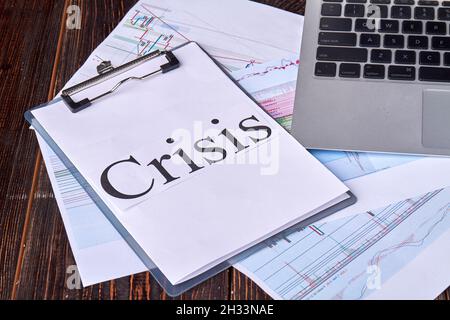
200	207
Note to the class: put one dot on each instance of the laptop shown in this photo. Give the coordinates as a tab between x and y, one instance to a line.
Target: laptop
375	76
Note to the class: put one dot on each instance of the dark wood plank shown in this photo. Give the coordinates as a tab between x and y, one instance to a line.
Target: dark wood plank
242	288
295	6
29	41
445	295
47	254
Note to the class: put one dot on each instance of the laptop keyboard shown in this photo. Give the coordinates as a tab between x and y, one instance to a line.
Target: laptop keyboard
402	40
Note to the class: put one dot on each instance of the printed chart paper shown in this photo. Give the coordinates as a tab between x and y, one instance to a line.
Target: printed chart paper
352	258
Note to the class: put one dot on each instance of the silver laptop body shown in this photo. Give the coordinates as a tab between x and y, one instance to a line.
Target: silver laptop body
404	110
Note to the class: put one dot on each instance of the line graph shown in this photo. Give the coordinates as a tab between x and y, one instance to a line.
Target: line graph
163	25
302	264
283	65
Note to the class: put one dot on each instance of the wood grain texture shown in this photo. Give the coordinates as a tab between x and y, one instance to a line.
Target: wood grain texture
295	6
40	57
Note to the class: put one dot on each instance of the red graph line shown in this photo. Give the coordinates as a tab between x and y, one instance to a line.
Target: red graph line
187	39
283	66
235	59
154	15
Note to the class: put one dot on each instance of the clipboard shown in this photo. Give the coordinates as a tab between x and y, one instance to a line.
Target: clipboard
111	72
79	105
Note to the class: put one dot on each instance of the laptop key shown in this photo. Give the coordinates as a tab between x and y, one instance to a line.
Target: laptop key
380	1
325	69
405	57
335	24
406	73
412	27
431	58
337	39
350	70
444	14
381	56
405	2
354	10
374	71
424	13
440	43
447	57
363	25
377	12
331	9
389	26
433	74
428	3
369	40
401	12
342	54
417	42
394	41
436	28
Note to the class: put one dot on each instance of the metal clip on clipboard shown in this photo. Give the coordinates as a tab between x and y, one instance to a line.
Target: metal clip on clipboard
111	72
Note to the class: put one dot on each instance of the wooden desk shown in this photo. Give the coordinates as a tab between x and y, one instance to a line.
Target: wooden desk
38	55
